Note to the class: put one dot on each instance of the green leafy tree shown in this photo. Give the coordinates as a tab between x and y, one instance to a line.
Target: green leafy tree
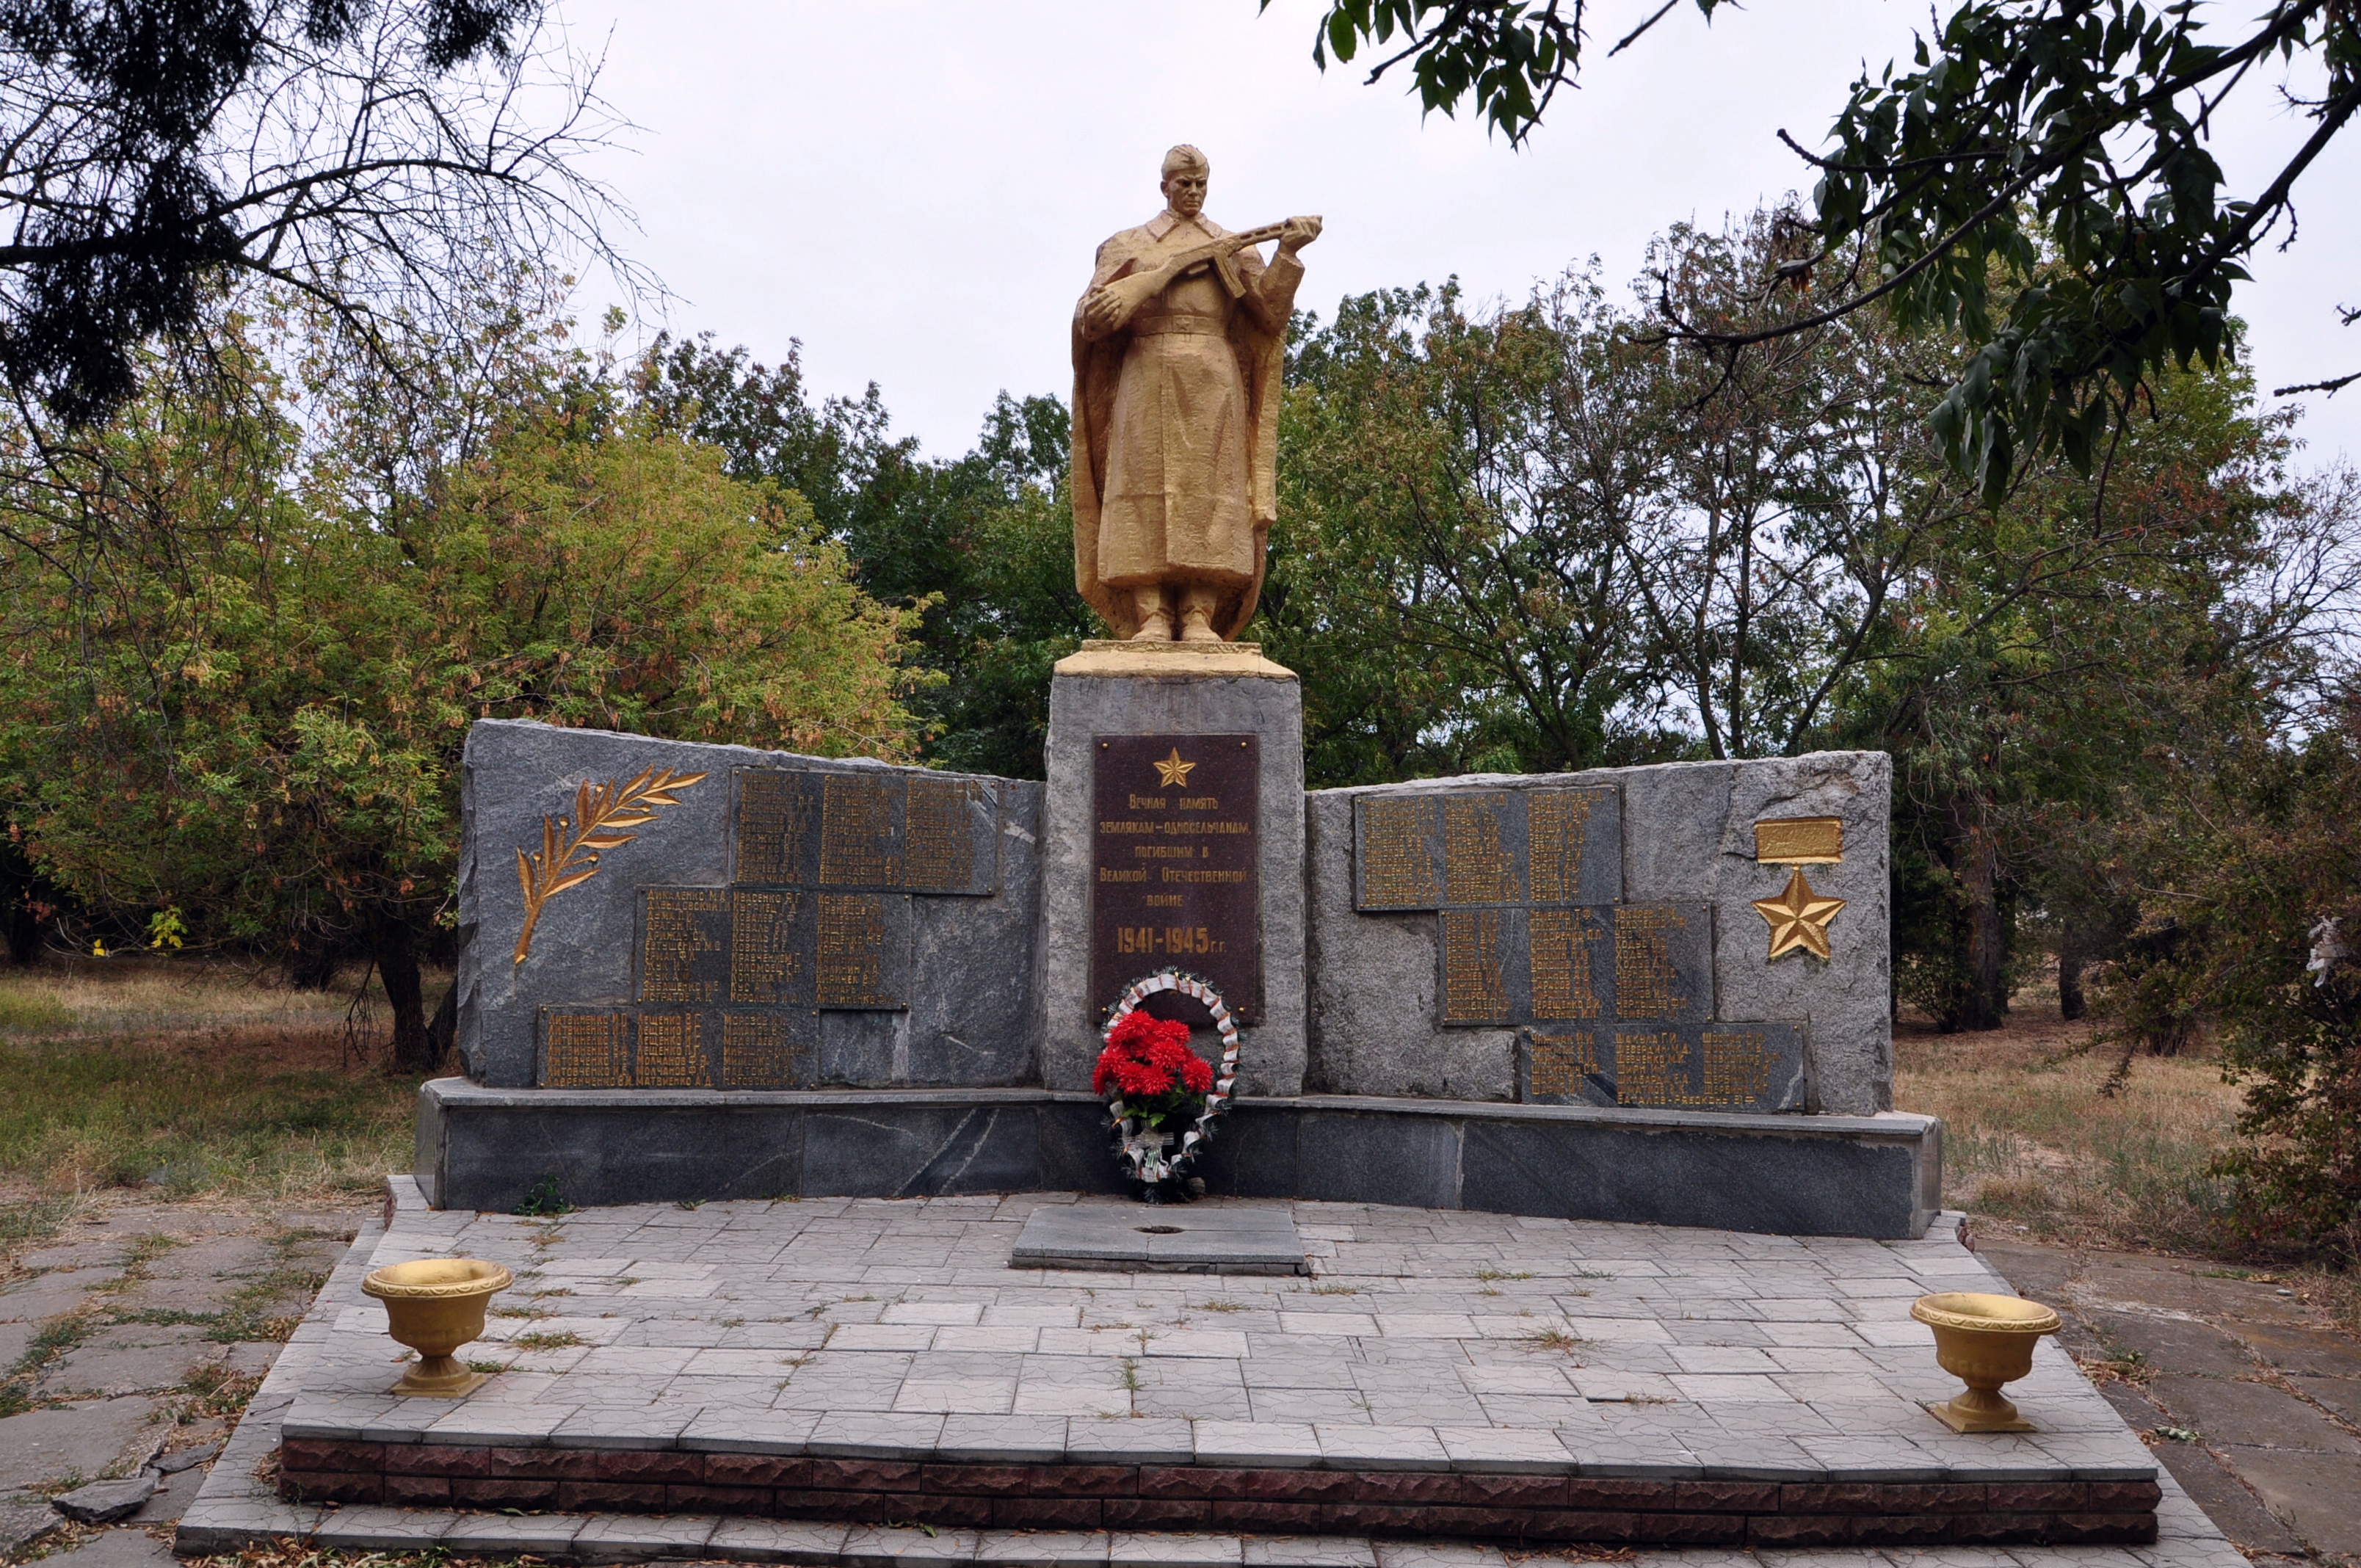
2244	859
980	548
2039	180
1444	572
2049	647
246	648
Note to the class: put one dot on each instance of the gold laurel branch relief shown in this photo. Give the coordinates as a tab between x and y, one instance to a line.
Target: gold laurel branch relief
570	846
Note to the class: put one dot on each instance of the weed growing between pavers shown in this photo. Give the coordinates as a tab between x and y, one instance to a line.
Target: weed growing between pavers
288	1553
49	1343
543	1201
213	1392
245	1319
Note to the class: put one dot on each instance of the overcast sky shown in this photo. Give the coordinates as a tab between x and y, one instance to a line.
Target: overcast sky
915	190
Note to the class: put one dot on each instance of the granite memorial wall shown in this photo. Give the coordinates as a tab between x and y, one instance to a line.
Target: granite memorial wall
1598	937
767	922
772	922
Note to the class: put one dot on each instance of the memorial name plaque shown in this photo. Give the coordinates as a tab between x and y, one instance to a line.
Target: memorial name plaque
1175	845
1613	1001
730	982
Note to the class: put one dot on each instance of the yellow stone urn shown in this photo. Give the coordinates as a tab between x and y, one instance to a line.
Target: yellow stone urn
434	1306
1984	1341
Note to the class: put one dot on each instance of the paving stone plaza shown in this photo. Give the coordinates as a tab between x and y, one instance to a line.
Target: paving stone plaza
1774	1377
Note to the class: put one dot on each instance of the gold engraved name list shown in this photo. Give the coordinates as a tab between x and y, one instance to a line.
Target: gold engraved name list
856	834
1557	822
585	1050
1562	944
1476	868
1475	988
765	961
937	847
1644	975
1561	1062
1397	869
672	1053
774	816
675	943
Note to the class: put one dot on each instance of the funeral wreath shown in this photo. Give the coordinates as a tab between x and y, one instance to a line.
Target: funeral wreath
1163	1097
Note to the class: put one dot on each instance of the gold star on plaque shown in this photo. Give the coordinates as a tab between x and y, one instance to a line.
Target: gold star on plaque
1800	917
1175	771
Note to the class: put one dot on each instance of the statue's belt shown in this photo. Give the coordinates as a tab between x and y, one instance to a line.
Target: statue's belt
1198	326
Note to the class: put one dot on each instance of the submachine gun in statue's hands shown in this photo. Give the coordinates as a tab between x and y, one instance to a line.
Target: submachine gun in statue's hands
1113	304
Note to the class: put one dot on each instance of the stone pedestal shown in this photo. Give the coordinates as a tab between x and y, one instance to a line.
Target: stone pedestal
1123	689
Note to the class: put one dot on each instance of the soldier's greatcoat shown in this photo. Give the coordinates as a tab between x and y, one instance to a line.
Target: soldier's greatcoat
1176	427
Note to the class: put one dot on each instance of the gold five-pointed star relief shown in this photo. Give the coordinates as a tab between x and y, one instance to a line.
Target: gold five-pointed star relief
1800	917
1175	771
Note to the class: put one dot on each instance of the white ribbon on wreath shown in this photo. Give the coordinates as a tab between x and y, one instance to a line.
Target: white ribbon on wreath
1144	1152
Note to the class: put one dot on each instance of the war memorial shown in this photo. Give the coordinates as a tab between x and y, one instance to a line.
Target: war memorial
1530	1178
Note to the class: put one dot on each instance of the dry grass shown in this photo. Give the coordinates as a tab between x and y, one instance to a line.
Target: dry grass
113	996
2030	1137
197	1079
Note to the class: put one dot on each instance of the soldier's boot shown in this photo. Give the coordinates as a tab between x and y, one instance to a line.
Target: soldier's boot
1154	623
1197	616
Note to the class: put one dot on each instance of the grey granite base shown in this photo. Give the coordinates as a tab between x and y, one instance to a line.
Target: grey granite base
1085	706
1160	1239
1848	1176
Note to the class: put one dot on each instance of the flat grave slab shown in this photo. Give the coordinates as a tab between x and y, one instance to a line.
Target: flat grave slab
1197	1238
797	1374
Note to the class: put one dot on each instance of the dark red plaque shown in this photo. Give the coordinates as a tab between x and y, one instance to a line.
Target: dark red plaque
1175	844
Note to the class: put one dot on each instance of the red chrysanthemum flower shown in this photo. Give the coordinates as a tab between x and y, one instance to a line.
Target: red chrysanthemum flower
1148	1057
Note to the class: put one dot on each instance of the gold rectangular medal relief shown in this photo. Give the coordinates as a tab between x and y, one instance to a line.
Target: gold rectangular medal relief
1800	841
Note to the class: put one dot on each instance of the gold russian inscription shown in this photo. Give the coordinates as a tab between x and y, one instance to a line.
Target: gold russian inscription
672	1053
1644	976
675	941
1561	1062
774	815
856	833
1397	870
852	950
1476	865
1473	991
1562	940
764	962
1652	1069
585	1050
759	1051
1737	1068
1556	821
938	843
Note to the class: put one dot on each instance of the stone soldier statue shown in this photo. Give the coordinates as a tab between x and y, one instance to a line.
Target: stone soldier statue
1177	353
